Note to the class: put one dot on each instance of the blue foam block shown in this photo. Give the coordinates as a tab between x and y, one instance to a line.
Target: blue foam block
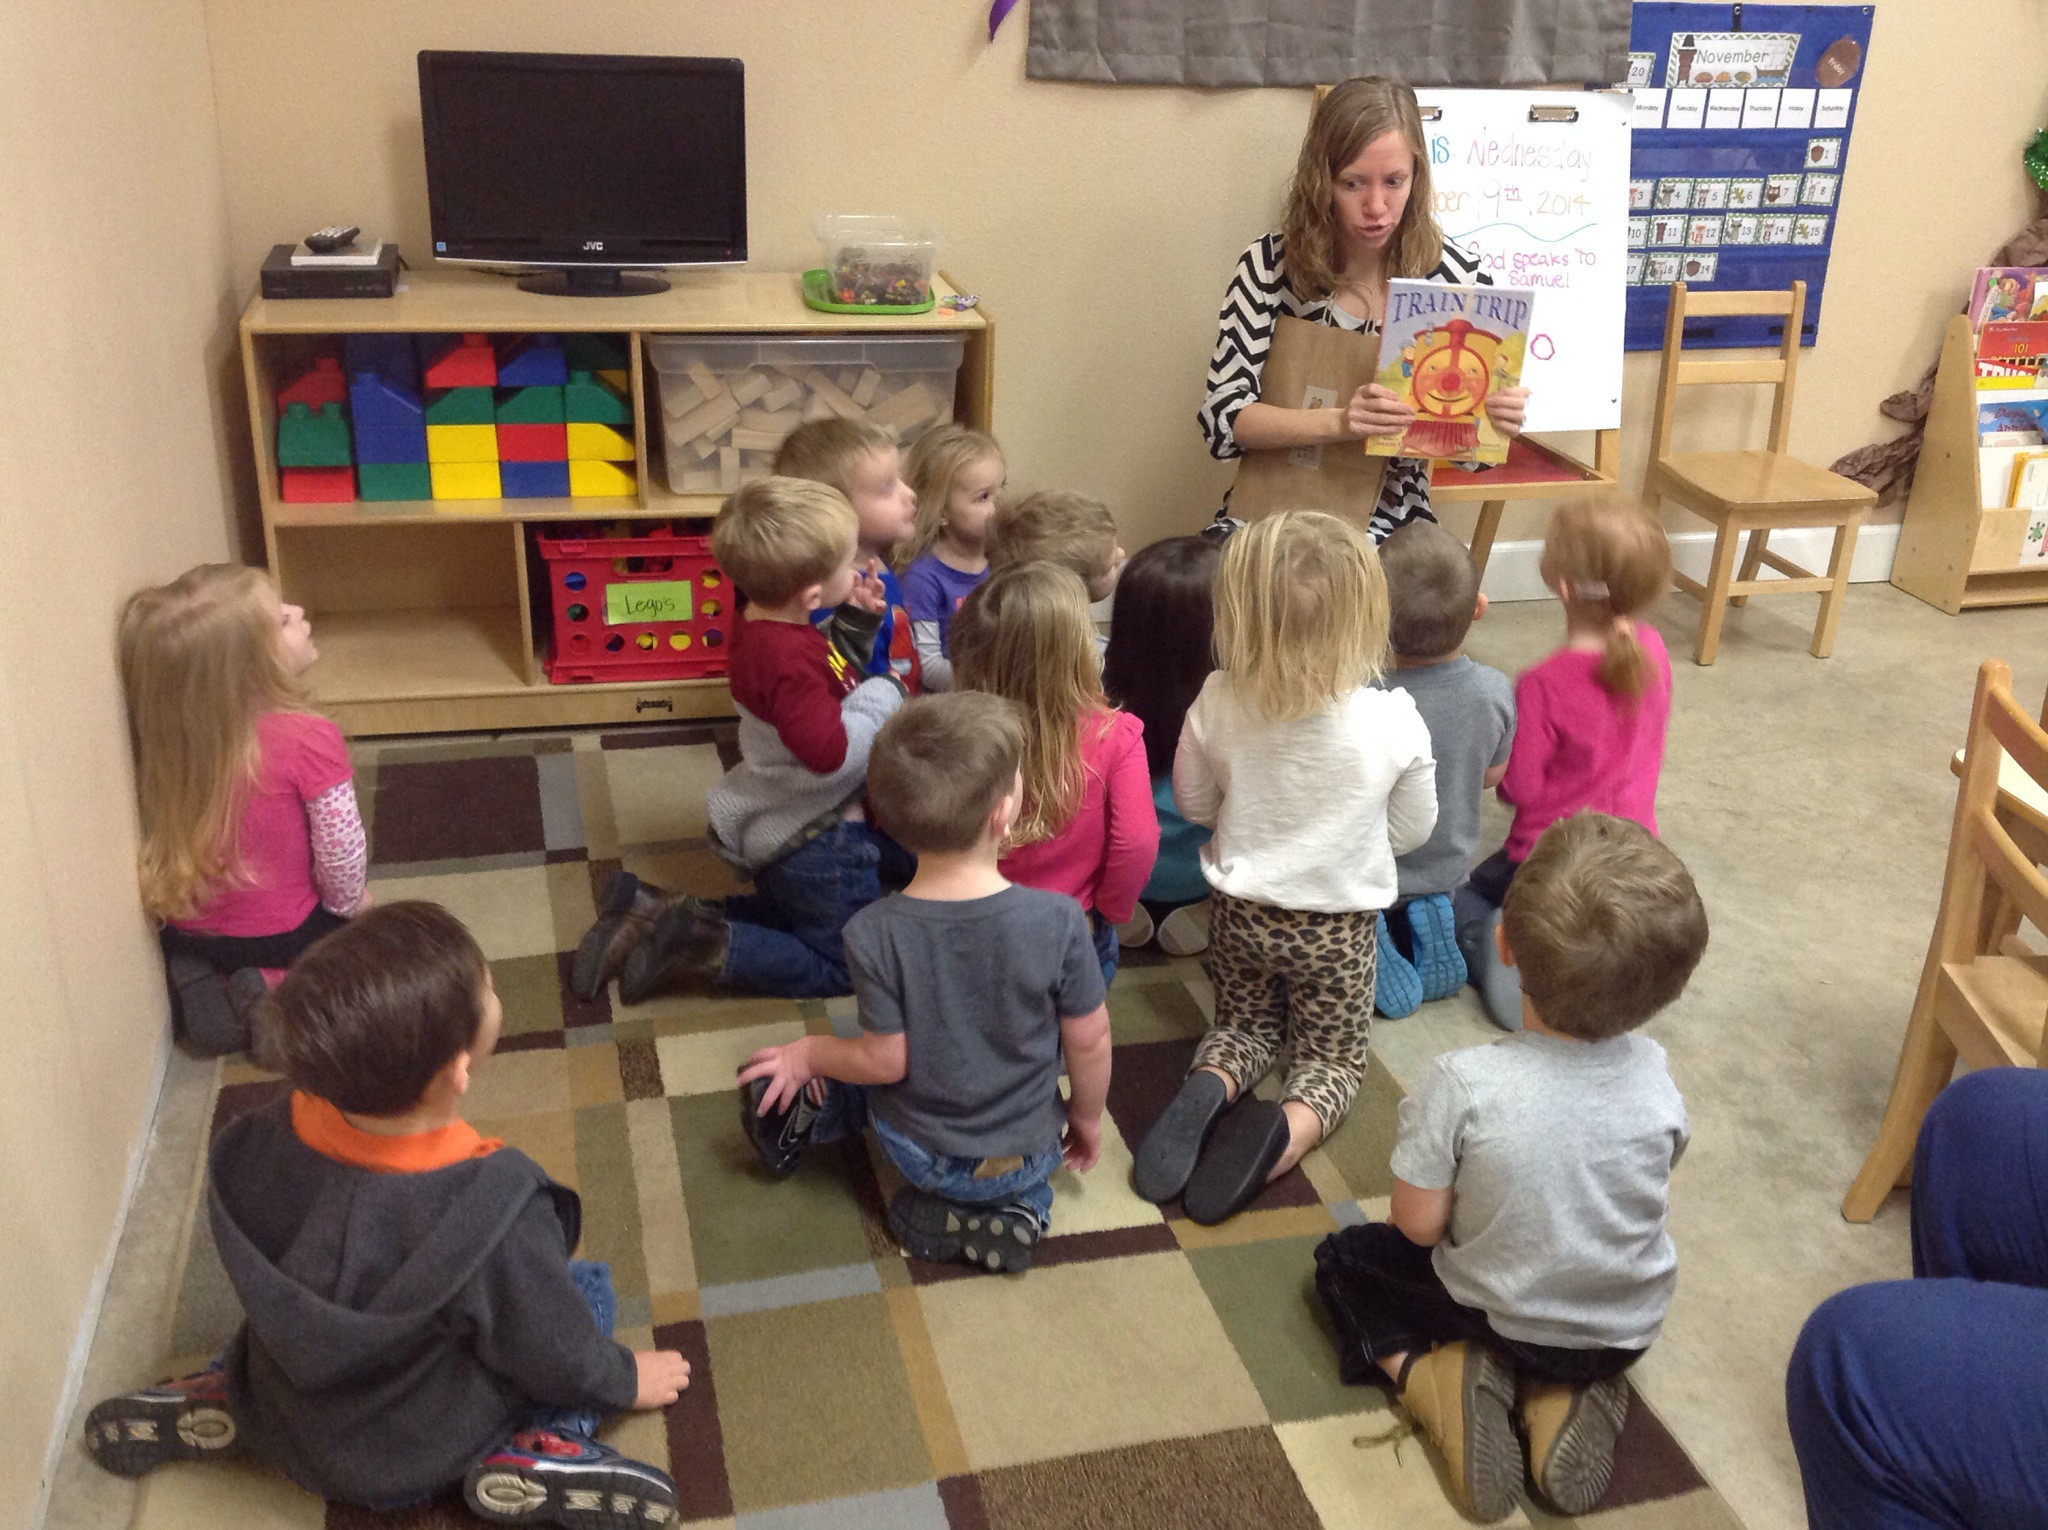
534	480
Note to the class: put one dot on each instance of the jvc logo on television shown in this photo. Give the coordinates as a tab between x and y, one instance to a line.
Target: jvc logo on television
593	244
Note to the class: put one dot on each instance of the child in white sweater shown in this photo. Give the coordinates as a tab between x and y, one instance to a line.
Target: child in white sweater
1314	781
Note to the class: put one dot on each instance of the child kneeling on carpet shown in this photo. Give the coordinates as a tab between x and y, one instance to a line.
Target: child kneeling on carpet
1314	780
970	990
789	813
1433	599
1525	1263
414	1319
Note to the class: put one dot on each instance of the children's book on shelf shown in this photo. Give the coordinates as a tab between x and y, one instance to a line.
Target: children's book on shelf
2030	493
2012	355
2003	293
1444	351
2013	422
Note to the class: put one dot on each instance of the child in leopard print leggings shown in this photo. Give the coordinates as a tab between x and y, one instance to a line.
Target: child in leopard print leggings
1314	781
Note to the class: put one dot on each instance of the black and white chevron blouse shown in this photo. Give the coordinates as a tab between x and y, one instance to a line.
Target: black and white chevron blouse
1258	294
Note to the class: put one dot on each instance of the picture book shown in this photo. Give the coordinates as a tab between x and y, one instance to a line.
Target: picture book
2016	422
2030	493
2011	355
1444	351
2002	293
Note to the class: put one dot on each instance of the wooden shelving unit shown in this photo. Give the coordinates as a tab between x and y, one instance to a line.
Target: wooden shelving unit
424	610
1960	545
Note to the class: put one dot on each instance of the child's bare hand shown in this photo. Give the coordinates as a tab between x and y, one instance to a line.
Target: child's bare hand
1083	1144
868	593
787	1069
1506	408
663	1375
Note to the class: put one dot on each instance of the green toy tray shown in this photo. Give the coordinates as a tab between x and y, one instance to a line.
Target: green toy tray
818	295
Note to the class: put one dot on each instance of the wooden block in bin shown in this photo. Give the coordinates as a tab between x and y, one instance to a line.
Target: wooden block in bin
846	377
728	468
833	396
708	382
765	461
750	387
755	440
590	477
701	481
782	394
863	392
780	420
701	447
713	417
598	443
914	405
815	408
678	395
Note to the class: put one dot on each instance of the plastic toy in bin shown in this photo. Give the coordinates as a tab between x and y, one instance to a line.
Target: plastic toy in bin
634	603
878	261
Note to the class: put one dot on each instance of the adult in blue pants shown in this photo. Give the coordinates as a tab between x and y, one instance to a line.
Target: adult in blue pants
1924	1402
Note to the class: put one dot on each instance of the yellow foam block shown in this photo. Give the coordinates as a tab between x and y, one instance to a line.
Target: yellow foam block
589	476
462	443
598	443
465	480
616	376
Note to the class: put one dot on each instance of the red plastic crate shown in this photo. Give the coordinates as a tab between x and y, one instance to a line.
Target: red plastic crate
593	583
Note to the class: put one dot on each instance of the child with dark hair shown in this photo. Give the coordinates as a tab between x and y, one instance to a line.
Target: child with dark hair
1162	647
414	1319
1525	1262
1433	599
972	990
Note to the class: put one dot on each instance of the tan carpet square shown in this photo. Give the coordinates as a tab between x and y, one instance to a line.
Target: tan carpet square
707	1063
1370	1486
507	910
658	794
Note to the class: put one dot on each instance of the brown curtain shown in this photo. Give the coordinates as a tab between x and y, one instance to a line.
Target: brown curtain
1310	42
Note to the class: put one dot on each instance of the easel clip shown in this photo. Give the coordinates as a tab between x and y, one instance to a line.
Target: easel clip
1553	114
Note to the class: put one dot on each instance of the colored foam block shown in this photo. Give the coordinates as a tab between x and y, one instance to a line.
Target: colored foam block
322	383
617	377
594	353
391	443
533	443
316	486
534	480
462	406
466	480
462	443
374	399
530	406
466	362
588	401
537	362
391	357
307	440
598	443
394	480
593	477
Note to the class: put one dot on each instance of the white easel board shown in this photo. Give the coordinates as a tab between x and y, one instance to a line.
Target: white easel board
1535	182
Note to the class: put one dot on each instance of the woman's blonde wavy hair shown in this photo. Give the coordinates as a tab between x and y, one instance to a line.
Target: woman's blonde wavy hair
1301	613
1347	119
200	661
934	462
1024	634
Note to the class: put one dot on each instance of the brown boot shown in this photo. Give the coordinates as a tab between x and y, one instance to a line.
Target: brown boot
623	921
1460	1396
1571	1432
686	947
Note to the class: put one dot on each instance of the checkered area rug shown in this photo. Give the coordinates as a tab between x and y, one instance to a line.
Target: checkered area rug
1147	1372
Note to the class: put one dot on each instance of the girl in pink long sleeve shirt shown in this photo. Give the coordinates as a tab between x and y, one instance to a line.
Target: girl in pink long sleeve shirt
1089	828
1589	720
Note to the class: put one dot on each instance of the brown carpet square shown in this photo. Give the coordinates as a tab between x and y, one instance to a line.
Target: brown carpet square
455	809
1221	1481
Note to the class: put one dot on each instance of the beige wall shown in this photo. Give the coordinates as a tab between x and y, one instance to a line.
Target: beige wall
1100	223
117	315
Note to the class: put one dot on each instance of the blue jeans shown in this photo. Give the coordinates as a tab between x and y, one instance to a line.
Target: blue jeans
1107	950
1923	1403
845	1112
786	937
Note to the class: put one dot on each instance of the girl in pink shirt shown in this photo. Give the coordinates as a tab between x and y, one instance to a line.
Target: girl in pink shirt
252	847
1590	719
1089	828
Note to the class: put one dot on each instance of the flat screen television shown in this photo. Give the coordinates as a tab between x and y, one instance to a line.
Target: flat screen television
590	163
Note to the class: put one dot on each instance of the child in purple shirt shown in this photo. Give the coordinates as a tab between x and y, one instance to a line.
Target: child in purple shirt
957	474
1590	719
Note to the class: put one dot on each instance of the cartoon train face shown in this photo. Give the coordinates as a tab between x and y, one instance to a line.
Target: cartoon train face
1453	370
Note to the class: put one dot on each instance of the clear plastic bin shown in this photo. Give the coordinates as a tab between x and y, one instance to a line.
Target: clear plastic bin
727	401
872	259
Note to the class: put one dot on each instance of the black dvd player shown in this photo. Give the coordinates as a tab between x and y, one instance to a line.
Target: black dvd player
282	279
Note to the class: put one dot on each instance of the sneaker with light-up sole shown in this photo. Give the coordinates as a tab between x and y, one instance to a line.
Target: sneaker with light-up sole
188	1419
551	1477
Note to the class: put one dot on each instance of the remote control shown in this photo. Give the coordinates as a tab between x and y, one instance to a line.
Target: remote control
327	240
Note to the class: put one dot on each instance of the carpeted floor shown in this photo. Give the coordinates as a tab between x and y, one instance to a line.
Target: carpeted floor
1148	1372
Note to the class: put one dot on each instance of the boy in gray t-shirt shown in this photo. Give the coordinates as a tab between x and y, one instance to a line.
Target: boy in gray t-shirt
1526	1238
1433	598
970	990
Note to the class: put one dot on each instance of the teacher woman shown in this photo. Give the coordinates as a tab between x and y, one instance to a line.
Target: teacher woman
1358	212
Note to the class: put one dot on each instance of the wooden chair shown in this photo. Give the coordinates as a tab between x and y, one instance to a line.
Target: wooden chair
1983	995
1753	492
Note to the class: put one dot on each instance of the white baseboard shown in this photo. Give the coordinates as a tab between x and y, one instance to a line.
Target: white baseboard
1511	573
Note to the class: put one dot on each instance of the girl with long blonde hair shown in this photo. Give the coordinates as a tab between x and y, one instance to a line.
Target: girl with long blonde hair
1313	780
957	475
1357	214
252	846
1589	720
1088	827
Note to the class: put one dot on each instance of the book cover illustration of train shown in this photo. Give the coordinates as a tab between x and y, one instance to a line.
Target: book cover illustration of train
1444	350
